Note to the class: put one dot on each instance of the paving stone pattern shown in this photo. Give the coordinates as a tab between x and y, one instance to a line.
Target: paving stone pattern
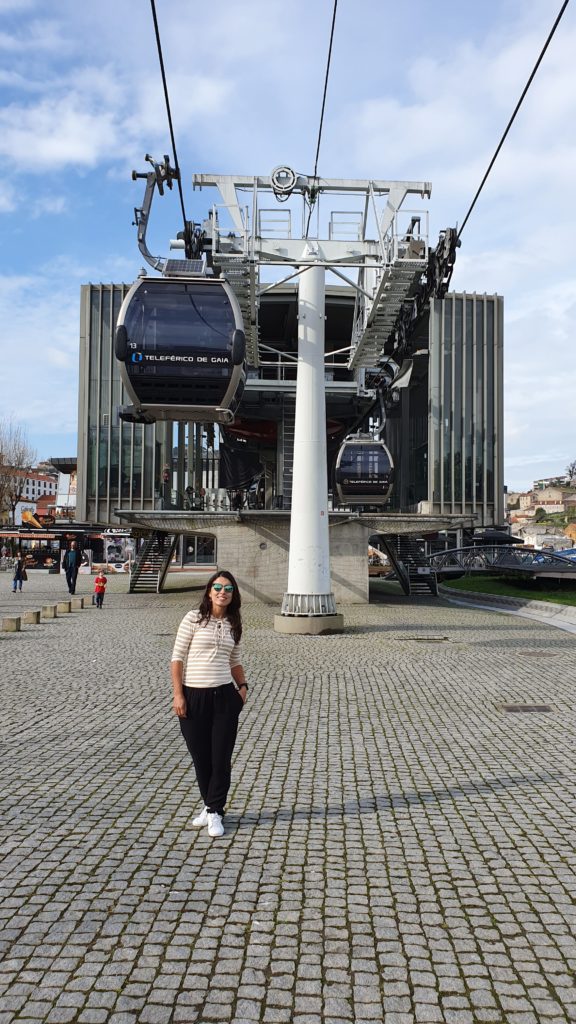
397	847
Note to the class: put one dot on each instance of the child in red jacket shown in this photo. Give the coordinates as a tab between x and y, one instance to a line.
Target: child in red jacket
100	588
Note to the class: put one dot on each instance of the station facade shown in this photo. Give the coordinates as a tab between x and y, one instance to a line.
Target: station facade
442	420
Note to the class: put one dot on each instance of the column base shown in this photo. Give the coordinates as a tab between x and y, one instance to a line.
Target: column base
308	604
314	625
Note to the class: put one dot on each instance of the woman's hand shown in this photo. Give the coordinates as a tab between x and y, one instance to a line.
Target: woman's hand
178	699
179	705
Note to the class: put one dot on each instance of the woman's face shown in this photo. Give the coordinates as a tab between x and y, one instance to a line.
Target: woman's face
221	597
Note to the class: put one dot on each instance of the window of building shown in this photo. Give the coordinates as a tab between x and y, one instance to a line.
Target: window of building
199	550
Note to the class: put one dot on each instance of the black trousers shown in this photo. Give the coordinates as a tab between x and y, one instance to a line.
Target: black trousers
210	729
71	576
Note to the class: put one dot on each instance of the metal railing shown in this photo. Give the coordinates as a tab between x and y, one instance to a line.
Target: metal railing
499	557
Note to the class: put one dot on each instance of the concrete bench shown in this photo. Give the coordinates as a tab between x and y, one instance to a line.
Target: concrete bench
32	617
77	603
49	611
63	607
11	624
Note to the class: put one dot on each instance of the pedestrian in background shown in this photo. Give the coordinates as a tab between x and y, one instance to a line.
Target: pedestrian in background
71	564
20	575
207	701
100	588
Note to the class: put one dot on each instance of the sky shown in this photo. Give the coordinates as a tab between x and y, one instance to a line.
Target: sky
419	91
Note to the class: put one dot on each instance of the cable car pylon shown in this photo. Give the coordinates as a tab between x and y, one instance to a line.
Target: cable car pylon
308	605
184	338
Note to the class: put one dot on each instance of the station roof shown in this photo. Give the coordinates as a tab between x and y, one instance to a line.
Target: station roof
65	464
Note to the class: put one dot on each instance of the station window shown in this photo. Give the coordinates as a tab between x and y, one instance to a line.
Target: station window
199	550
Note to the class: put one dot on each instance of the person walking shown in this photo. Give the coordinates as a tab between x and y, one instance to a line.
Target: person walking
71	564
207	702
20	575
100	588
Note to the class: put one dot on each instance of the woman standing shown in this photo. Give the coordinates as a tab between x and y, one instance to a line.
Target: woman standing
206	653
20	575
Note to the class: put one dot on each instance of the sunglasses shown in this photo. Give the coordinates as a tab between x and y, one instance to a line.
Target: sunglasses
228	589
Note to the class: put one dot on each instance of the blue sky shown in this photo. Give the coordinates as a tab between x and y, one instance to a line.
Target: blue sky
419	91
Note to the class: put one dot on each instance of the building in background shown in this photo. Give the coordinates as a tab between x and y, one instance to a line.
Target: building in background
446	428
39	484
65	505
444	417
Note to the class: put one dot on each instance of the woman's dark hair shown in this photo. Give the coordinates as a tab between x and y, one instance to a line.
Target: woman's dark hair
233	609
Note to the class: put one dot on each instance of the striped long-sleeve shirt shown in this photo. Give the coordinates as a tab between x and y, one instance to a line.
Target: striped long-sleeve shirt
208	651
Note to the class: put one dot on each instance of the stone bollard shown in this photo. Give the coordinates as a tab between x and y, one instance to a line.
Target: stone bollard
49	611
63	607
11	624
31	618
77	603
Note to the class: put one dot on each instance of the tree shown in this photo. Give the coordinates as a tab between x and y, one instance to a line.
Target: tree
540	514
571	471
16	461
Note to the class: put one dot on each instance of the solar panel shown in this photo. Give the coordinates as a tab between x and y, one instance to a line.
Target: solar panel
185	268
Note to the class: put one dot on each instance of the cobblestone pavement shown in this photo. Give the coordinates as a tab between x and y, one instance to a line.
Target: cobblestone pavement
397	846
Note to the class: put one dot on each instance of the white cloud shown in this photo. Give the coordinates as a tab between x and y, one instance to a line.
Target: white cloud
448	126
35	37
8	201
17	5
192	97
54	205
40	344
55	133
59	357
98	118
20	82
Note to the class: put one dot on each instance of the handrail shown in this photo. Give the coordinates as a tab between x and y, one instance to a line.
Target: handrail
498	555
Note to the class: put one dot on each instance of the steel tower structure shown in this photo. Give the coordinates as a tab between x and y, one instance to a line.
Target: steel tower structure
378	247
385	247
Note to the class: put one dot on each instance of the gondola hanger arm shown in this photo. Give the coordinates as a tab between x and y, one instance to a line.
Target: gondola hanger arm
161	174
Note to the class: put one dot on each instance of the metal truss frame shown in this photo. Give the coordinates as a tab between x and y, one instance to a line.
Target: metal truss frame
243	252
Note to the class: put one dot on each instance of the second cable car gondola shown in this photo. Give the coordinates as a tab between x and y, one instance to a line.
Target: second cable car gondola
181	347
364	471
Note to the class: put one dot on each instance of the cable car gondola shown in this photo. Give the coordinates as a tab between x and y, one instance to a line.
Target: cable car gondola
181	347
364	471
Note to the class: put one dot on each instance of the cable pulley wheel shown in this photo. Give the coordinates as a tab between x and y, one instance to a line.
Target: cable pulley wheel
283	180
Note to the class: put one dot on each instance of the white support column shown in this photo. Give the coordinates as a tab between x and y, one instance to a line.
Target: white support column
308	605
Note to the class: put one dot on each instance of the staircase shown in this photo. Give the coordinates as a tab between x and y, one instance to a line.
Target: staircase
372	331
288	452
421	577
150	567
240	273
407	558
390	545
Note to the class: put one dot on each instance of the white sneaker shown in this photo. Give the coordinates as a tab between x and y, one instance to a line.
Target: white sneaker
201	819
215	826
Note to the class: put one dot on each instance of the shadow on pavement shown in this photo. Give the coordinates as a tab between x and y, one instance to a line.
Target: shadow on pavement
373	804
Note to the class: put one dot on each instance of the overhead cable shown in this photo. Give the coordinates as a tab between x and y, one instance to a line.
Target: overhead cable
167	99
323	108
325	87
511	121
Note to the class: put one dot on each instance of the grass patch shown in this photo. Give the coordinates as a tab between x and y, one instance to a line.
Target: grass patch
564	593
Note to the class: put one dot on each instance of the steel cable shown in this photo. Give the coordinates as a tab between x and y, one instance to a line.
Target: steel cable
511	121
167	99
311	203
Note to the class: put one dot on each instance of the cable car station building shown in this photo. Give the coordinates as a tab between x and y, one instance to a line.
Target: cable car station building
407	369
